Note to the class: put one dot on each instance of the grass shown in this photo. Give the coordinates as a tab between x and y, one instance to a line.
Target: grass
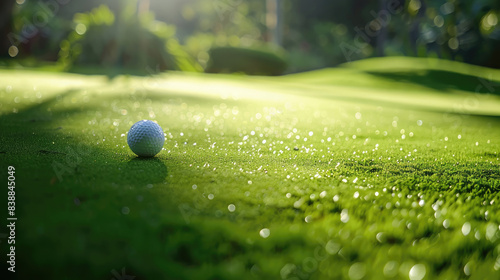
381	169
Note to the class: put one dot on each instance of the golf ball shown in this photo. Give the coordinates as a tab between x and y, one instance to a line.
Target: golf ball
145	138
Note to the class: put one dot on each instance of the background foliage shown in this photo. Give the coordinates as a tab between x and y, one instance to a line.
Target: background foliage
325	33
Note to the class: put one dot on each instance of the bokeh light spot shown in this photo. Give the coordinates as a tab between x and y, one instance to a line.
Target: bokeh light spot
453	43
13	51
80	29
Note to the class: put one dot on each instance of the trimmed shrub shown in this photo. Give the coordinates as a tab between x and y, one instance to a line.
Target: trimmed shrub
244	60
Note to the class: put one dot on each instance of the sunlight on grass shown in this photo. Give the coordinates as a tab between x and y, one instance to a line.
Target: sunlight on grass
338	173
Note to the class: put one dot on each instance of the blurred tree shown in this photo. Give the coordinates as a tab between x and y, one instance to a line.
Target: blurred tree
274	21
6	15
38	27
128	41
313	32
459	30
143	6
455	30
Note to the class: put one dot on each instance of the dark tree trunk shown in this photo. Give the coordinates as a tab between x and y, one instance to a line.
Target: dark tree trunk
382	36
415	28
6	7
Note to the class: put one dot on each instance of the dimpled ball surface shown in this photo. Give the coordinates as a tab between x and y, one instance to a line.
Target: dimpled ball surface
145	138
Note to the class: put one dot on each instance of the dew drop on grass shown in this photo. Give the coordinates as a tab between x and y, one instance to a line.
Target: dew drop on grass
491	230
332	248
391	269
308	219
125	210
218	213
446	223
264	233
231	207
466	228
344	216
298	203
497	264
357	271
417	272
210	196
380	237
194	187
467	269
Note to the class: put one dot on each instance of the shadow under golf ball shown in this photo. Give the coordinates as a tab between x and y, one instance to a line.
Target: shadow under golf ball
139	171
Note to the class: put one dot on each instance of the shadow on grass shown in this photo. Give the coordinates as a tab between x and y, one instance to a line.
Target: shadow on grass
114	72
80	215
145	171
31	133
442	80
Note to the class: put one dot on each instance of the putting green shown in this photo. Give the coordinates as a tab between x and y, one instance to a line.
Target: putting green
382	168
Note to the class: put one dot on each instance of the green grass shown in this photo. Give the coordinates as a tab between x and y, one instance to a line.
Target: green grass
383	168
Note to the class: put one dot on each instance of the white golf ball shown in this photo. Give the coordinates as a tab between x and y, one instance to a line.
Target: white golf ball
145	138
